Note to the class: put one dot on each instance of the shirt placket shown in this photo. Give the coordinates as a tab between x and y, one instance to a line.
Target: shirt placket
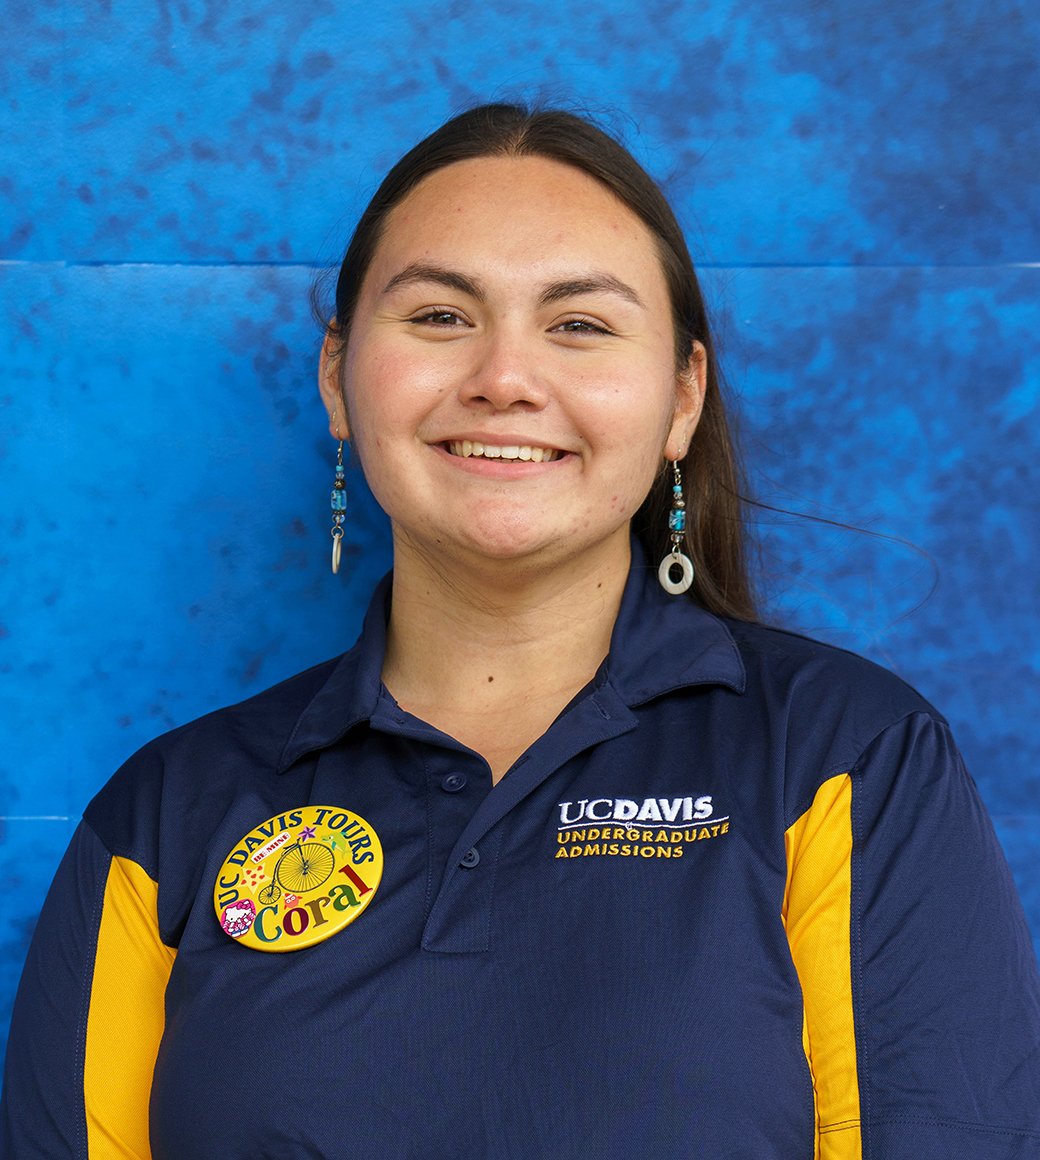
460	920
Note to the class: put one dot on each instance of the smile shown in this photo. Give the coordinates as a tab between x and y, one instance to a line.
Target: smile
466	449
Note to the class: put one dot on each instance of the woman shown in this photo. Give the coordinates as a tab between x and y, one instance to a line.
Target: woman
569	864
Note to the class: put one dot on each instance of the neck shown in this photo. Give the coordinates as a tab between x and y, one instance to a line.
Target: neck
478	650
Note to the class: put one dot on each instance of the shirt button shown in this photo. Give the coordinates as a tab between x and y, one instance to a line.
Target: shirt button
470	858
453	782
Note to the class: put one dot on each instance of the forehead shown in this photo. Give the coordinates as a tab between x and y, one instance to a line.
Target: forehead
531	212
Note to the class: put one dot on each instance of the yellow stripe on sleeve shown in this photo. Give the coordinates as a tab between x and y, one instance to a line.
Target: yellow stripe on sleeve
125	1019
817	916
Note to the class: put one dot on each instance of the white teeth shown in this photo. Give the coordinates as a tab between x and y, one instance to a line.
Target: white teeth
466	448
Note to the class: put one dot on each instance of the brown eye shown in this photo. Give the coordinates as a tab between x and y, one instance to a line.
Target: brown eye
581	326
440	318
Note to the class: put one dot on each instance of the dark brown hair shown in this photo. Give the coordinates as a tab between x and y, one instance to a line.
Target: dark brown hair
715	534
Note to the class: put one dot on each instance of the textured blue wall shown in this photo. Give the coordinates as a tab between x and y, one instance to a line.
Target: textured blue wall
859	182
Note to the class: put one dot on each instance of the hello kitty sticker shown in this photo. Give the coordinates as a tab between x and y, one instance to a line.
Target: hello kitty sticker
238	917
298	878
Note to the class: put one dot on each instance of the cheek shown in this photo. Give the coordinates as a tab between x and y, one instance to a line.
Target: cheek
393	385
634	439
376	389
633	422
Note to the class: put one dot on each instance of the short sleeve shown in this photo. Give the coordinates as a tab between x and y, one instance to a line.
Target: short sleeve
88	1017
927	1045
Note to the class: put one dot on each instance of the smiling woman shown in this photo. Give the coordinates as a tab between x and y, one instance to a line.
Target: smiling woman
516	305
792	933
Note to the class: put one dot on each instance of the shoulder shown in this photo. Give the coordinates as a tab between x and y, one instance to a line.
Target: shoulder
777	656
189	771
783	663
825	706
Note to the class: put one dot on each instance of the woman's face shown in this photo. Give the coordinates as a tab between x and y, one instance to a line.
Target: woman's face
510	374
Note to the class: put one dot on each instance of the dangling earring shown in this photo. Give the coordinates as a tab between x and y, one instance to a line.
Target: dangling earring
339	505
676	528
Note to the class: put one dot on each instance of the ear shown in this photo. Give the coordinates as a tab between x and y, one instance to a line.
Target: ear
690	386
329	371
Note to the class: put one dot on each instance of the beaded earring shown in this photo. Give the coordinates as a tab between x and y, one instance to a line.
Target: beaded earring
339	505
676	528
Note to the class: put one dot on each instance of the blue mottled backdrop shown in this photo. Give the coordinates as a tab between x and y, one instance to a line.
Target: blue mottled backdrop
857	177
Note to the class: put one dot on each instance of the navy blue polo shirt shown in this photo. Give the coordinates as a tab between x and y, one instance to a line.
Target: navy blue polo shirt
740	900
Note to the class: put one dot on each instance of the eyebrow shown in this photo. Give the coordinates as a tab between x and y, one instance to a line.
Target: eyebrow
420	272
597	283
592	284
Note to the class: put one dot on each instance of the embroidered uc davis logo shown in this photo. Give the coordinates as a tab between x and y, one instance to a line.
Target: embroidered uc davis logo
625	828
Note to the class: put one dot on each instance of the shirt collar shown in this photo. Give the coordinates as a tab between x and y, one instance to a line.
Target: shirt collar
659	643
663	642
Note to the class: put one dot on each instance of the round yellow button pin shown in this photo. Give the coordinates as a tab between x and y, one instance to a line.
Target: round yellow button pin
298	878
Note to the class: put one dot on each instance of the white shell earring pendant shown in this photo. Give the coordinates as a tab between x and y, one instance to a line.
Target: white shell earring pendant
664	573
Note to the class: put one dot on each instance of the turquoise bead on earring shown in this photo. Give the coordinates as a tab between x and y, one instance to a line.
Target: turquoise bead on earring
339	505
676	529
677	516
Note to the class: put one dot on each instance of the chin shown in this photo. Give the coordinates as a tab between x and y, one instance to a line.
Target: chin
499	533
528	543
505	545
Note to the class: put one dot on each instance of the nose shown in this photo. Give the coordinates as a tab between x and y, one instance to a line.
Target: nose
507	375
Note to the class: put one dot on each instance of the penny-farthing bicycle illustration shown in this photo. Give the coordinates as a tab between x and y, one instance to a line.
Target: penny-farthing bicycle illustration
300	867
